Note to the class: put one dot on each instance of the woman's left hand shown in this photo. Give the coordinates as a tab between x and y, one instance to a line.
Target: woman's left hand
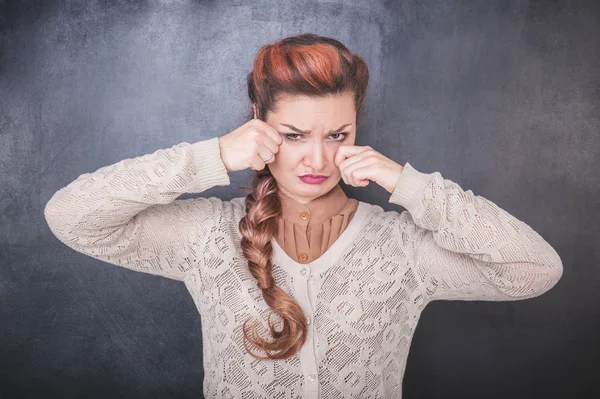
360	164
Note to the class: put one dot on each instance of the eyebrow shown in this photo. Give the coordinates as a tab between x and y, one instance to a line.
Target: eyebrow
334	131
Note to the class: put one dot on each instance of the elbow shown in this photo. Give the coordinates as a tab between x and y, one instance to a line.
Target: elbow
52	220
548	276
50	210
554	272
533	283
549	273
553	269
58	222
49	216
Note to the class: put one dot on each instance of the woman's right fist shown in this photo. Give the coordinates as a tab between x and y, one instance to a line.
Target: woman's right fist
248	146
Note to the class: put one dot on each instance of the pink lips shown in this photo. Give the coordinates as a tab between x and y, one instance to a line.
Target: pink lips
313	179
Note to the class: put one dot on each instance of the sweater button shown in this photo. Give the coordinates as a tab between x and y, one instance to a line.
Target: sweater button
311	377
303	270
308	320
303	257
304	215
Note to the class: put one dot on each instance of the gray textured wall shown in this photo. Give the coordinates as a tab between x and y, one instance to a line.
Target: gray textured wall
500	96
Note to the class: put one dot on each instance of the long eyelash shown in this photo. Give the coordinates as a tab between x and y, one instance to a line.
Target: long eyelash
287	136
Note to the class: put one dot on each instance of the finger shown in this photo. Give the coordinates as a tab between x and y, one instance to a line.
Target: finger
346	151
265	153
269	146
268	131
359	173
257	162
347	157
343	166
352	160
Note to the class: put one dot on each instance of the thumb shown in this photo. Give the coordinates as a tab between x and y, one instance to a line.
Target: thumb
347	151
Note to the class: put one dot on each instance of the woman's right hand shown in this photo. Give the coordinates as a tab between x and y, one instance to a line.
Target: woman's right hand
248	145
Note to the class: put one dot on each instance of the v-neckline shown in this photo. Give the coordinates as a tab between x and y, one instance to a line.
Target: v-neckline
331	255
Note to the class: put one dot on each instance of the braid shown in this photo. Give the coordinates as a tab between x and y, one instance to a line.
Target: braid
257	228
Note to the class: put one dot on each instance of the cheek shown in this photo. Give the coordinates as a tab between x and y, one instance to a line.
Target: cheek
283	157
282	164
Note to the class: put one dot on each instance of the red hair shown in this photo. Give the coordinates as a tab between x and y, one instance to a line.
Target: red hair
308	65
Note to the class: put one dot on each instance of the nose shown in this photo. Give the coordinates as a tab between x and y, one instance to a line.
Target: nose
317	158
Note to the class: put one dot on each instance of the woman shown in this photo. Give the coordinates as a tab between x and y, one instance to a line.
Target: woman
302	291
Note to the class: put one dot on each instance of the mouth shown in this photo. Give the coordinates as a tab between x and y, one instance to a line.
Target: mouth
310	179
315	176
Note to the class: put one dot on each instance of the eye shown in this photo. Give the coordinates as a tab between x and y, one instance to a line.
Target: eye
289	137
294	138
341	134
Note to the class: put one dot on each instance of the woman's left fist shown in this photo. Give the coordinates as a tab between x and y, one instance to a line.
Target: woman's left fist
360	164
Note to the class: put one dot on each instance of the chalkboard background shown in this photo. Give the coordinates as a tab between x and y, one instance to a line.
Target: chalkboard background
500	96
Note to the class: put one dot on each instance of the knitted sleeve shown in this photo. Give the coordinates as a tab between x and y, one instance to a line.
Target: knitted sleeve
127	214
465	247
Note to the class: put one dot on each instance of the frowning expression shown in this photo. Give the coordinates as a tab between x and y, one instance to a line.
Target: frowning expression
312	129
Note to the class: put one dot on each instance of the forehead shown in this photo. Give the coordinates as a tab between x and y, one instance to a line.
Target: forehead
314	112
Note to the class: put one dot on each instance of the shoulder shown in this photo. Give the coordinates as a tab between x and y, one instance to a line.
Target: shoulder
374	214
237	205
219	211
234	209
223	206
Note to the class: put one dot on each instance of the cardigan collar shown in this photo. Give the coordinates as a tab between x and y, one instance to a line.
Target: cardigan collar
317	211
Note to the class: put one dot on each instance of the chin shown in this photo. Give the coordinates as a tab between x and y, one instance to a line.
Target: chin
318	187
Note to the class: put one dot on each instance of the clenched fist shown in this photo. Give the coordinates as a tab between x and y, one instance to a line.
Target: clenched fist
249	146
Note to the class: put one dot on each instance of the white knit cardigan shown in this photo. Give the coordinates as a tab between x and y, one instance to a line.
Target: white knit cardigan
362	297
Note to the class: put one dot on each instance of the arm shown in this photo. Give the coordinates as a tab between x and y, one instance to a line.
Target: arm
127	214
464	247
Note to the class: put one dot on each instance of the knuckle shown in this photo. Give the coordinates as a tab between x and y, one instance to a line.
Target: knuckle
256	139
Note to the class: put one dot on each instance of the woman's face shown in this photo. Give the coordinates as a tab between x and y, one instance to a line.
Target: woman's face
312	152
